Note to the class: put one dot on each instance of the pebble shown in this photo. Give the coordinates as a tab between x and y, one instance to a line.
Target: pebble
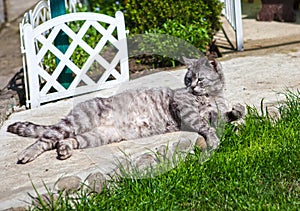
96	181
201	143
68	183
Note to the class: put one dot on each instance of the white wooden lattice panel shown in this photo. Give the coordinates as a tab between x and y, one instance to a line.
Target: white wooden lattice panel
40	14
43	85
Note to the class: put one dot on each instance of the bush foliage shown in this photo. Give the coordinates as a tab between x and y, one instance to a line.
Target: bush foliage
191	25
192	20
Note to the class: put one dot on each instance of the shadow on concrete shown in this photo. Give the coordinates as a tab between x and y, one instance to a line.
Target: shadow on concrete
260	47
17	84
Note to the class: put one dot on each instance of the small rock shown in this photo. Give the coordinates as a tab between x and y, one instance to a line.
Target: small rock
146	161
69	183
274	113
96	181
182	146
201	143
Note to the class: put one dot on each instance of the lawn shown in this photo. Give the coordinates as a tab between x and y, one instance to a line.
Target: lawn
257	167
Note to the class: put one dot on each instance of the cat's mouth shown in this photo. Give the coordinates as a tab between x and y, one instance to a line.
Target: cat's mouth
200	94
198	91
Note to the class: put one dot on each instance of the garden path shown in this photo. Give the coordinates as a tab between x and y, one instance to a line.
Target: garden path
270	63
249	79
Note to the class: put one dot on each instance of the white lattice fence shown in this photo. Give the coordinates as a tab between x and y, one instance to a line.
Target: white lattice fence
102	64
41	12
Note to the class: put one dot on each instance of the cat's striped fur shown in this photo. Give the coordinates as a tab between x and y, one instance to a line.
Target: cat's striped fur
138	113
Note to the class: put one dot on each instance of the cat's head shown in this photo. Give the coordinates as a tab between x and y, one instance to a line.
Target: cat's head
204	76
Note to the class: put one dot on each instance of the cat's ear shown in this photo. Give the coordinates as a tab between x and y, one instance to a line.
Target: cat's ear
187	61
188	78
214	64
203	58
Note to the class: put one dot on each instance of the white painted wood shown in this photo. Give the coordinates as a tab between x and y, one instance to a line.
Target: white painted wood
45	34
32	65
122	45
71	5
41	13
21	26
238	25
233	13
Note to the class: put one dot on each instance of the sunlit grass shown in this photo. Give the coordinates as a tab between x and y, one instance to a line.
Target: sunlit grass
256	167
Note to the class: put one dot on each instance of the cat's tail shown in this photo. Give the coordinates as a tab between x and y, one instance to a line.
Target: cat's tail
27	129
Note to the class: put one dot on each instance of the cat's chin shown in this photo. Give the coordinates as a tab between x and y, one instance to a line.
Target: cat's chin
198	93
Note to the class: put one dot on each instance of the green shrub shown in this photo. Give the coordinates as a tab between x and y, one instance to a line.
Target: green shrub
108	7
193	20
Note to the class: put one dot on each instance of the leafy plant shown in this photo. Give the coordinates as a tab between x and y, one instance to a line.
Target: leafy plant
194	21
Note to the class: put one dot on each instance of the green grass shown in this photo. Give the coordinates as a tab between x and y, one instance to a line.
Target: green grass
255	168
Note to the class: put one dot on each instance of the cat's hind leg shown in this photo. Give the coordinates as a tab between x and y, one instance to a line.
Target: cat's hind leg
210	136
97	137
61	130
65	148
35	149
48	141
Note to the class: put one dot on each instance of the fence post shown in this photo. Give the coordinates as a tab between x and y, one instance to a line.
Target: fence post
34	67
58	8
238	25
123	45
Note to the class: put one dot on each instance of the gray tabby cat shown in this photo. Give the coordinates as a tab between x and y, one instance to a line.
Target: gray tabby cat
138	113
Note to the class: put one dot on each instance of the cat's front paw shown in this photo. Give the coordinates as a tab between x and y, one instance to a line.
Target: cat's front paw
65	148
238	111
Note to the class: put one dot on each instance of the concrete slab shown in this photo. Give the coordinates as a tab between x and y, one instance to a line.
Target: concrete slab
16	9
17	179
259	35
249	79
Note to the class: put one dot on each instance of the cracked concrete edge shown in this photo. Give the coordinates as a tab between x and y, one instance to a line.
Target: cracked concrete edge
95	179
249	80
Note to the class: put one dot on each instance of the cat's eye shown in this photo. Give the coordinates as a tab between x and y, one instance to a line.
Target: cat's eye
188	78
200	79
